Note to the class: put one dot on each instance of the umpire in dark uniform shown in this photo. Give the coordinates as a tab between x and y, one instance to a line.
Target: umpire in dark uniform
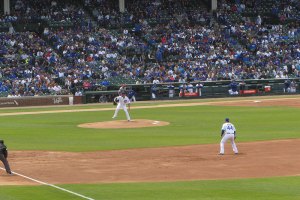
3	156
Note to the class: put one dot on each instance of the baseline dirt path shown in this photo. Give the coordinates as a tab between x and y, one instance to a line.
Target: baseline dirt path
197	162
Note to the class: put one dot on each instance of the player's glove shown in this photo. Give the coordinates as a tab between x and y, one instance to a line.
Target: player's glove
116	100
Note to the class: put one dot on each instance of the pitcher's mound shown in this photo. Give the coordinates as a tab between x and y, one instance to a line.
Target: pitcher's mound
136	123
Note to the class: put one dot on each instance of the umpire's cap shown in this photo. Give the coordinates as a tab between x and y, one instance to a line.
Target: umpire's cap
2	141
226	119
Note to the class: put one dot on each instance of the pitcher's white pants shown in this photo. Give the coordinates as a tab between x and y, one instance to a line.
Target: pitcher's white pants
224	140
125	110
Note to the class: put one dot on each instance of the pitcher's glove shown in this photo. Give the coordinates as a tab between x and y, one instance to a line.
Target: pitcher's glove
116	100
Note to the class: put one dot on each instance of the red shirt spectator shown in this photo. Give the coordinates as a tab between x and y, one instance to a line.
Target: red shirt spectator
86	85
164	40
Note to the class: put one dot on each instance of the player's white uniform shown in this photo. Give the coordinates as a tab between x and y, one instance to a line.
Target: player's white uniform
229	134
122	102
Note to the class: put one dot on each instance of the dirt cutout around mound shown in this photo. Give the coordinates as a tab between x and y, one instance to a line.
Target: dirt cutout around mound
196	162
137	123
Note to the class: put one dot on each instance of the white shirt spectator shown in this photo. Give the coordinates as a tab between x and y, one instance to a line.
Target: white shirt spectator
61	74
53	3
155	81
104	69
78	93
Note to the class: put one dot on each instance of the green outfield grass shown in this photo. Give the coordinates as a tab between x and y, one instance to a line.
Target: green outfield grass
286	188
188	125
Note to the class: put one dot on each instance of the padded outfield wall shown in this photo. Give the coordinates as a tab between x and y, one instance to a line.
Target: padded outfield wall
211	89
163	92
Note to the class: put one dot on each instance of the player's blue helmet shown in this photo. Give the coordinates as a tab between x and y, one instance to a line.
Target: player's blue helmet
226	119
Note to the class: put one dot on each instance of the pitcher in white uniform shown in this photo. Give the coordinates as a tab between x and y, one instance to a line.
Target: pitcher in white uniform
122	101
228	132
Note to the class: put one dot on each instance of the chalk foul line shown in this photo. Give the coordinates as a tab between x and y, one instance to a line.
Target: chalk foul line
50	185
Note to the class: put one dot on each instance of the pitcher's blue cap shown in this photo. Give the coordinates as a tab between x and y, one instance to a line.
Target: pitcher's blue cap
226	119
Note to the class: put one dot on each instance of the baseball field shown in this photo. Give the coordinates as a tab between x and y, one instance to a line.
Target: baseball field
169	151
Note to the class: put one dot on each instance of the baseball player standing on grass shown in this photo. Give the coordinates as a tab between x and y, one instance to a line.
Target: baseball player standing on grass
122	101
228	132
3	156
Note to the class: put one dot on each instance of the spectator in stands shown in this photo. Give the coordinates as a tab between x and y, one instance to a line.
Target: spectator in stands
182	44
154	91
287	86
155	80
103	99
258	20
190	87
233	88
293	87
78	93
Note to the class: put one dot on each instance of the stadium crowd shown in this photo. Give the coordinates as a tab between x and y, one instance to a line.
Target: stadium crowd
152	41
